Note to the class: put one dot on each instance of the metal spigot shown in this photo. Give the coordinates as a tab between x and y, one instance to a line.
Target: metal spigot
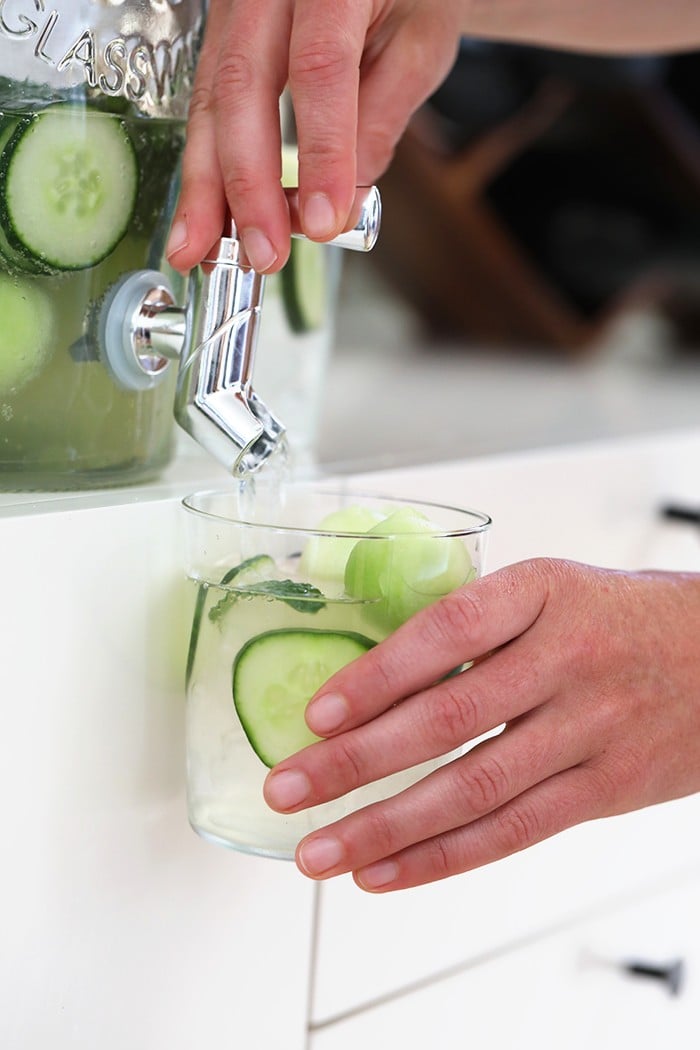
214	338
215	401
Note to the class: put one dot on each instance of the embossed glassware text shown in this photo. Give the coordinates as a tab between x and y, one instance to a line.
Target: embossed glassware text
144	51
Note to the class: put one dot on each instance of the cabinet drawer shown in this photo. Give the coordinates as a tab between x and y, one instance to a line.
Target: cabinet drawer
370	946
565	990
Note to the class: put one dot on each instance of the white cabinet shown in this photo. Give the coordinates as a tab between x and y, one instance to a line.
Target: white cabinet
569	989
120	928
406	937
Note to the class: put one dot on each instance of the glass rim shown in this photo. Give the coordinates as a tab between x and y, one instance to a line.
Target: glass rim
481	521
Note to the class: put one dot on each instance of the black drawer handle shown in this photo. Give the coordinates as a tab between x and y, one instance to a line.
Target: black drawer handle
671	974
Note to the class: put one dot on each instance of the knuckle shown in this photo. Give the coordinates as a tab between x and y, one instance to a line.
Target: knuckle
440	859
235	79
553	576
485	784
200	101
322	153
348	762
240	184
323	62
519	827
453	716
386	667
619	773
381	831
553	569
457	615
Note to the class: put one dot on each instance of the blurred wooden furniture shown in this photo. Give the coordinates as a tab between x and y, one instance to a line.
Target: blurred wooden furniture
543	226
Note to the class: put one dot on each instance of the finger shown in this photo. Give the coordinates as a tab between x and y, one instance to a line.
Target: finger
199	219
233	154
426	726
459	628
482	782
394	85
252	72
324	70
552	806
199	216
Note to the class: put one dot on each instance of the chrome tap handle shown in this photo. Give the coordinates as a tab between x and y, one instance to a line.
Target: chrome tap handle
365	219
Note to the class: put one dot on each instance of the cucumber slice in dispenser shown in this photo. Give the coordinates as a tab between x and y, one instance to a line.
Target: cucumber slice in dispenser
68	184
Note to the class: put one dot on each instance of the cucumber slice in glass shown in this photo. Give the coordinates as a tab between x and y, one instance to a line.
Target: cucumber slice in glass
275	675
25	332
68	183
200	602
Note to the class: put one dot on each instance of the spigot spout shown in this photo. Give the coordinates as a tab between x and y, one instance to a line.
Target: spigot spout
215	402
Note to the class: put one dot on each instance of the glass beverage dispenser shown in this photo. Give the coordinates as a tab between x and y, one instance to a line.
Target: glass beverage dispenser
93	101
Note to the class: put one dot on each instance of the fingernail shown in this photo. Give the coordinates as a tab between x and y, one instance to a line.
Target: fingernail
286	789
327	713
178	238
318	219
261	254
375	876
319	855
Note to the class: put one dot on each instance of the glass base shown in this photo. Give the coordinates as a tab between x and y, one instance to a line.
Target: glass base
242	847
28	479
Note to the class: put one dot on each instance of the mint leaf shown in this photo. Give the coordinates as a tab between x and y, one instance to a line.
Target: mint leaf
300	596
303	597
218	611
247	571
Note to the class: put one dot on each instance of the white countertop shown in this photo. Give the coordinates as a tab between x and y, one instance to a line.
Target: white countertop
597	502
598	477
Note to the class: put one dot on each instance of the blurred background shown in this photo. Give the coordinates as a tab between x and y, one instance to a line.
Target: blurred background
537	280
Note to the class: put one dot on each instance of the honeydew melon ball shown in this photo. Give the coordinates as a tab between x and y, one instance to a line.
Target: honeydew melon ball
324	557
408	570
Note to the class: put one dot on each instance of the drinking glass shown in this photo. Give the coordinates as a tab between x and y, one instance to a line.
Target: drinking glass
289	585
